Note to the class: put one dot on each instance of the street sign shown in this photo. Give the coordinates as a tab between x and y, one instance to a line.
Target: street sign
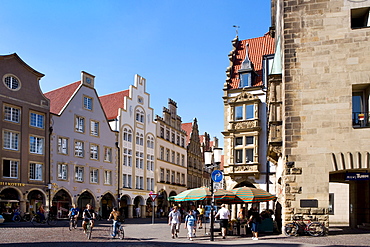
217	176
153	196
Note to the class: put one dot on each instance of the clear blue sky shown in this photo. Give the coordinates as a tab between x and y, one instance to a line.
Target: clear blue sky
180	47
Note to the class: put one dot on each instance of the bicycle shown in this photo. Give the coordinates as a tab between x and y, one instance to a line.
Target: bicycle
50	220
120	232
299	225
72	223
88	229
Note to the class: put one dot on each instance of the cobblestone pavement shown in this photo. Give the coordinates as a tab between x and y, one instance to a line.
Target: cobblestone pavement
142	232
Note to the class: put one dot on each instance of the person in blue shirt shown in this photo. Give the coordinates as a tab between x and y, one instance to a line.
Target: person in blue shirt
73	213
190	223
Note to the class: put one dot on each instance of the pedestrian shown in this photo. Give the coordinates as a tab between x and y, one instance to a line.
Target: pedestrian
138	212
174	220
190	223
254	220
201	216
224	215
196	215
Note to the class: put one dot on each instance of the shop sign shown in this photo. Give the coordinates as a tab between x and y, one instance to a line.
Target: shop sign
13	184
357	176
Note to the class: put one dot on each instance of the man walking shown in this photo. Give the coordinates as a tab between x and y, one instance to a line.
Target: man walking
174	220
224	215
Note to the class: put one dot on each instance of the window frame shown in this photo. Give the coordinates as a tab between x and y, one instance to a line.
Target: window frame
36	144
60	147
94	153
14	114
35	121
94	175
62	171
87	103
15	164
94	128
79	173
13	140
79	128
81	150
36	173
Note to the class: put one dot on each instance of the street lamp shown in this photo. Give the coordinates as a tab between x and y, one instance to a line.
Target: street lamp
212	159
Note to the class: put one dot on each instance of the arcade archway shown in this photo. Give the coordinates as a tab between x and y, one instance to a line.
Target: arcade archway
61	203
9	200
85	198
107	203
35	199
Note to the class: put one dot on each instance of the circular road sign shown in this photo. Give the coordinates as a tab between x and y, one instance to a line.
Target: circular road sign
217	176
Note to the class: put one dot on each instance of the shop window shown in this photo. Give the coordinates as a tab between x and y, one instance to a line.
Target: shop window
360	18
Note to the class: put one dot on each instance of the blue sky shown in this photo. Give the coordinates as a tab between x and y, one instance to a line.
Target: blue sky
180	47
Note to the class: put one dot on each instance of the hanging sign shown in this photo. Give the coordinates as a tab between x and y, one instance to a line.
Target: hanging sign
357	176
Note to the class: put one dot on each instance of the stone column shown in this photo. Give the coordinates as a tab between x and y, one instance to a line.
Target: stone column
130	211
233	211
143	211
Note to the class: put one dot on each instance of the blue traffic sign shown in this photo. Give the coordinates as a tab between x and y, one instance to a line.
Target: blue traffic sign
217	176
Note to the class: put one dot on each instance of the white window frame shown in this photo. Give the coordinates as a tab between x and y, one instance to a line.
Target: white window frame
62	171
87	103
80	124
94	151
12	114
94	128
108	154
11	140
94	175
107	177
79	148
35	171
36	145
13	168
63	145
79	173
37	120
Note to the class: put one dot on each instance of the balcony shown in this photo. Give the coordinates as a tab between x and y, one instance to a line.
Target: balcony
360	120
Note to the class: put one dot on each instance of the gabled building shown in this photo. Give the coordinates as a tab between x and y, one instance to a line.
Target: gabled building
171	163
195	155
245	124
83	149
129	113
24	131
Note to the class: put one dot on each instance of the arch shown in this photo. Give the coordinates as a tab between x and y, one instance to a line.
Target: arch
107	203
10	199
244	183
124	202
86	197
36	198
172	193
61	203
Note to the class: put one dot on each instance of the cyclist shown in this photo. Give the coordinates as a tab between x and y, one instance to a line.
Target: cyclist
73	213
118	218
41	213
88	215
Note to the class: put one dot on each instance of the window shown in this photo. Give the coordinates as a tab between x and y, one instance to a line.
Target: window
107	154
162	175
88	103
245	80
249	140
150	142
162	131
94	176
167	175
94	151
10	140
37	120
360	18
127	157
129	181
249	155
239	156
62	145
152	184
137	183
172	177
62	171
148	184
182	178
127	135
11	82
238	112
108	177
12	114
36	145
177	159
79	174
139	139
167	134
182	142
79	149
173	156
238	141
10	168
173	137
167	154
124	180
139	116
360	105
80	124
249	111
94	128
178	178
141	185
161	155
182	160
35	171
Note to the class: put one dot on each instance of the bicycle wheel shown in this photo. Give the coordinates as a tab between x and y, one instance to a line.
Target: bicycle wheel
121	232
70	226
27	217
36	221
17	218
291	229
52	221
88	231
315	229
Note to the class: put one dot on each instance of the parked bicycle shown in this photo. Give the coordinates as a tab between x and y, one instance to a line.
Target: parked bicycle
37	221
300	225
120	231
17	217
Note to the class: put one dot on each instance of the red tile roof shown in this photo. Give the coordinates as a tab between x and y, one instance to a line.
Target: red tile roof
61	96
188	127
258	47
112	102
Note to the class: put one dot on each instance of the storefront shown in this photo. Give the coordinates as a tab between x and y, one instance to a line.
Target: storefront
107	203
9	200
61	203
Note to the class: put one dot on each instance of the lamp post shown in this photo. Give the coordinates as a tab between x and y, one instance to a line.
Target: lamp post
212	159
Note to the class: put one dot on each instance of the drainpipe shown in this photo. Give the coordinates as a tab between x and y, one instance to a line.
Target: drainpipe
119	172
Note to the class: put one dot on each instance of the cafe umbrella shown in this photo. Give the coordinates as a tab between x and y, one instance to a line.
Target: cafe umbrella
203	193
251	195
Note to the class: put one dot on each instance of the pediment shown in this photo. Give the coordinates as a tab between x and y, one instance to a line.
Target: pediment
245	96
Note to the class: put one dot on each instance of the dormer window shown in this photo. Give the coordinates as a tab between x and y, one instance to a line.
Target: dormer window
246	72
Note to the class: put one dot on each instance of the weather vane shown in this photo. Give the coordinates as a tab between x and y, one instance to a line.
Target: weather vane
236	29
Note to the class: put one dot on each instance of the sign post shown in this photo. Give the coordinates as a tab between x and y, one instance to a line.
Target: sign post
153	196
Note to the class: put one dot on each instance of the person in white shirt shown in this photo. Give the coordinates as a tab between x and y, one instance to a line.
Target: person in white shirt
174	220
224	215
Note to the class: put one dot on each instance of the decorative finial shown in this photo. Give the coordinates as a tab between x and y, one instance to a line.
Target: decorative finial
236	29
